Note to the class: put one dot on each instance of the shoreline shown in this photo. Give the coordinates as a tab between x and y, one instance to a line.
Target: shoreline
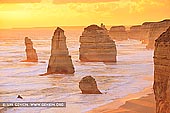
145	104
115	106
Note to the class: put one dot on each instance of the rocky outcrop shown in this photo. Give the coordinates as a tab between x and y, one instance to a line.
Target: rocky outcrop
140	32
30	51
103	26
156	29
96	45
118	33
88	85
162	73
148	32
135	32
20	97
60	62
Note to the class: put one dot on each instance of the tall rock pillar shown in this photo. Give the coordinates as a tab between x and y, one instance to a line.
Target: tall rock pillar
60	61
30	51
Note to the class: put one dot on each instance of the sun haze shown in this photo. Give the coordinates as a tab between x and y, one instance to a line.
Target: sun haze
46	13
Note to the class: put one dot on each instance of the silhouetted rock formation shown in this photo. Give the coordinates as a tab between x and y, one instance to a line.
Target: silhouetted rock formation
30	51
118	33
60	62
148	32
162	73
88	85
96	45
19	96
103	26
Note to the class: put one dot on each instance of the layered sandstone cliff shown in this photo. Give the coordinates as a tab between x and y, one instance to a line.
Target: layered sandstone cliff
60	61
30	51
140	32
135	32
148	32
118	33
96	45
156	29
162	73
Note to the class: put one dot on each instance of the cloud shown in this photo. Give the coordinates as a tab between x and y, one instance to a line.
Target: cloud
81	1
20	1
81	12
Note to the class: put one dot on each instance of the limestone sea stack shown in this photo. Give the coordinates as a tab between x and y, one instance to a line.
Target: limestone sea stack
60	61
30	51
140	32
96	45
162	73
118	33
88	85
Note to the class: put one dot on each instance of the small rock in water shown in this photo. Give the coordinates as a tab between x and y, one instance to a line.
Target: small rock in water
88	85
19	96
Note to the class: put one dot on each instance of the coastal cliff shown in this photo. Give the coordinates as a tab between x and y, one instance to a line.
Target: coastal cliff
118	33
162	72
140	32
148	32
156	29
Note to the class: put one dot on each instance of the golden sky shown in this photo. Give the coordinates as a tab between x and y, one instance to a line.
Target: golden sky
46	13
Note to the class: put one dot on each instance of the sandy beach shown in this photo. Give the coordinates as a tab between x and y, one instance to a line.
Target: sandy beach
141	105
142	102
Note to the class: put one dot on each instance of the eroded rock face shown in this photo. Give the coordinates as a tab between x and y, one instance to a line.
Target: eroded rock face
162	73
118	33
140	32
60	61
30	51
96	45
148	32
88	85
156	30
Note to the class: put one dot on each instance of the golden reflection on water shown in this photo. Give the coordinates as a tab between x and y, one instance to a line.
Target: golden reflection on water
134	63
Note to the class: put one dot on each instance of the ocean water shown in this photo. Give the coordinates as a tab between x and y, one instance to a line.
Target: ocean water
115	80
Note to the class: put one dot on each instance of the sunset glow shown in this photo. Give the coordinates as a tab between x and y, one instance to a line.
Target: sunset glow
81	13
